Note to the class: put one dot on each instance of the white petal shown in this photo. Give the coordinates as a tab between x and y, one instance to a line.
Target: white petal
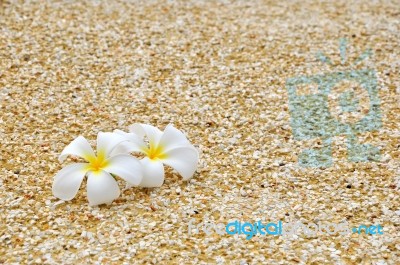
152	133
107	141
123	148
134	144
182	159
172	138
153	173
68	180
126	167
101	188
78	147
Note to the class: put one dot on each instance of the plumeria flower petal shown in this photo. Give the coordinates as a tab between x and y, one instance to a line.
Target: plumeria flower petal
101	186
78	147
125	167
152	133
170	147
106	142
68	180
134	143
172	137
182	159
154	172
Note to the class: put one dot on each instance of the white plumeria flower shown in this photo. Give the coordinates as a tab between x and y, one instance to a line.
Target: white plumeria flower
101	186
169	147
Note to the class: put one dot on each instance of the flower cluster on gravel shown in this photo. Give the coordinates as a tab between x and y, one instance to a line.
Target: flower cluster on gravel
112	158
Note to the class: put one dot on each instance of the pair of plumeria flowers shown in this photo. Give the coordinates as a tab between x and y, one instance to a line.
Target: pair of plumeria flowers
113	158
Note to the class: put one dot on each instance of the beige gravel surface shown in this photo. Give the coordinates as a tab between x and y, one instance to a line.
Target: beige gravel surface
217	71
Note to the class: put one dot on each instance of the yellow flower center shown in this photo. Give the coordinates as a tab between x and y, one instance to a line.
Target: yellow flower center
98	162
155	152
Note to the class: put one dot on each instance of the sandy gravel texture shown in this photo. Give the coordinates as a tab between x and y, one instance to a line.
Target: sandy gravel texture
217	71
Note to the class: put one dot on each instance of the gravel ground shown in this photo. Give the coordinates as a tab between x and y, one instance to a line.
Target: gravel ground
217	71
